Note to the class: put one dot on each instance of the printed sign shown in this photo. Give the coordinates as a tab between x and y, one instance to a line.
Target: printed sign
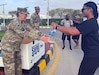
31	53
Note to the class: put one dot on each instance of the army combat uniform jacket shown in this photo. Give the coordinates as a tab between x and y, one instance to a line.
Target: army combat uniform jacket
35	20
16	31
11	42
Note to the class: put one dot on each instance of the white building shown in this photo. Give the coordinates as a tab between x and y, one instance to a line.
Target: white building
7	16
44	16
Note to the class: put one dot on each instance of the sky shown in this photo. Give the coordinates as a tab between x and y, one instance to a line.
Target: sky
12	5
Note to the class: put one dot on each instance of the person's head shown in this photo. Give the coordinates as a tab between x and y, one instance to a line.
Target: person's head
90	9
37	9
67	17
22	13
76	17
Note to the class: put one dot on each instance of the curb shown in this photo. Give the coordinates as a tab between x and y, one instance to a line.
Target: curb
39	67
42	65
44	26
46	58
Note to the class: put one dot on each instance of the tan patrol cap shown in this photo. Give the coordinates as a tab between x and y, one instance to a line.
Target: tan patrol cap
77	16
22	10
37	7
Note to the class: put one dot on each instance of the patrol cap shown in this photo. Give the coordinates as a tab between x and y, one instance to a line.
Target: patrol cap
22	10
37	7
77	16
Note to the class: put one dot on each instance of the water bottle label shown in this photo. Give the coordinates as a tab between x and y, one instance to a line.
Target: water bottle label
52	32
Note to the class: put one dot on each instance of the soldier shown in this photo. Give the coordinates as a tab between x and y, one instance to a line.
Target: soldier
11	41
35	18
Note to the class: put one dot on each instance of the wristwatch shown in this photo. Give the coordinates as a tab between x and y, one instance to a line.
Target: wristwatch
56	27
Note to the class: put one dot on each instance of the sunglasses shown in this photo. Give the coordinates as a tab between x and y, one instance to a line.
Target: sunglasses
84	9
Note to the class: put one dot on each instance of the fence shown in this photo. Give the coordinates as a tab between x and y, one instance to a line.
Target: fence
43	22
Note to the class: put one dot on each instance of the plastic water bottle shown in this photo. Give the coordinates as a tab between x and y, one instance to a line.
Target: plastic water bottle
52	33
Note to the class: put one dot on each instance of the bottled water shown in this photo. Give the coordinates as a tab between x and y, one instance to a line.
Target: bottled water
52	33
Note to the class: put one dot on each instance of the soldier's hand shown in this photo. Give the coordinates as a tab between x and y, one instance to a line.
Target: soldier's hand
45	38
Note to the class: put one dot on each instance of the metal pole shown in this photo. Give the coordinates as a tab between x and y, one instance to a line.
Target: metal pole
48	14
3	13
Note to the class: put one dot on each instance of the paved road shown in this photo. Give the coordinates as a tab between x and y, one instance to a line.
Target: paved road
69	61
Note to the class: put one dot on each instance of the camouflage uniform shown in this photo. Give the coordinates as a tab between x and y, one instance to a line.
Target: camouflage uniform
35	19
11	42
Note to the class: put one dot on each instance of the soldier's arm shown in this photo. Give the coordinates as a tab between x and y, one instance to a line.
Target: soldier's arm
19	29
33	33
9	25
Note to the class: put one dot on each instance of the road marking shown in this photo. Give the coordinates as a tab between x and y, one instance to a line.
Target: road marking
55	62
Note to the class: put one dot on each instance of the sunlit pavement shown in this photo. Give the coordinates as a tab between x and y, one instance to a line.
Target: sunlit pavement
69	60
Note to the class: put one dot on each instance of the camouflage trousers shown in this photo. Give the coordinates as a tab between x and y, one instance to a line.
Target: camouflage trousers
12	62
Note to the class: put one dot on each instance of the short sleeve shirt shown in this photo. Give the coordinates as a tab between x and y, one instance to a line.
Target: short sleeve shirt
66	23
90	37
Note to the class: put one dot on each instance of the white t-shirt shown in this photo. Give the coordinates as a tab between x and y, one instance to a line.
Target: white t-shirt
66	23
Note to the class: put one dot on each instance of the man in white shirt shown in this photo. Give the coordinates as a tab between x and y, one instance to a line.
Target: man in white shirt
67	22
